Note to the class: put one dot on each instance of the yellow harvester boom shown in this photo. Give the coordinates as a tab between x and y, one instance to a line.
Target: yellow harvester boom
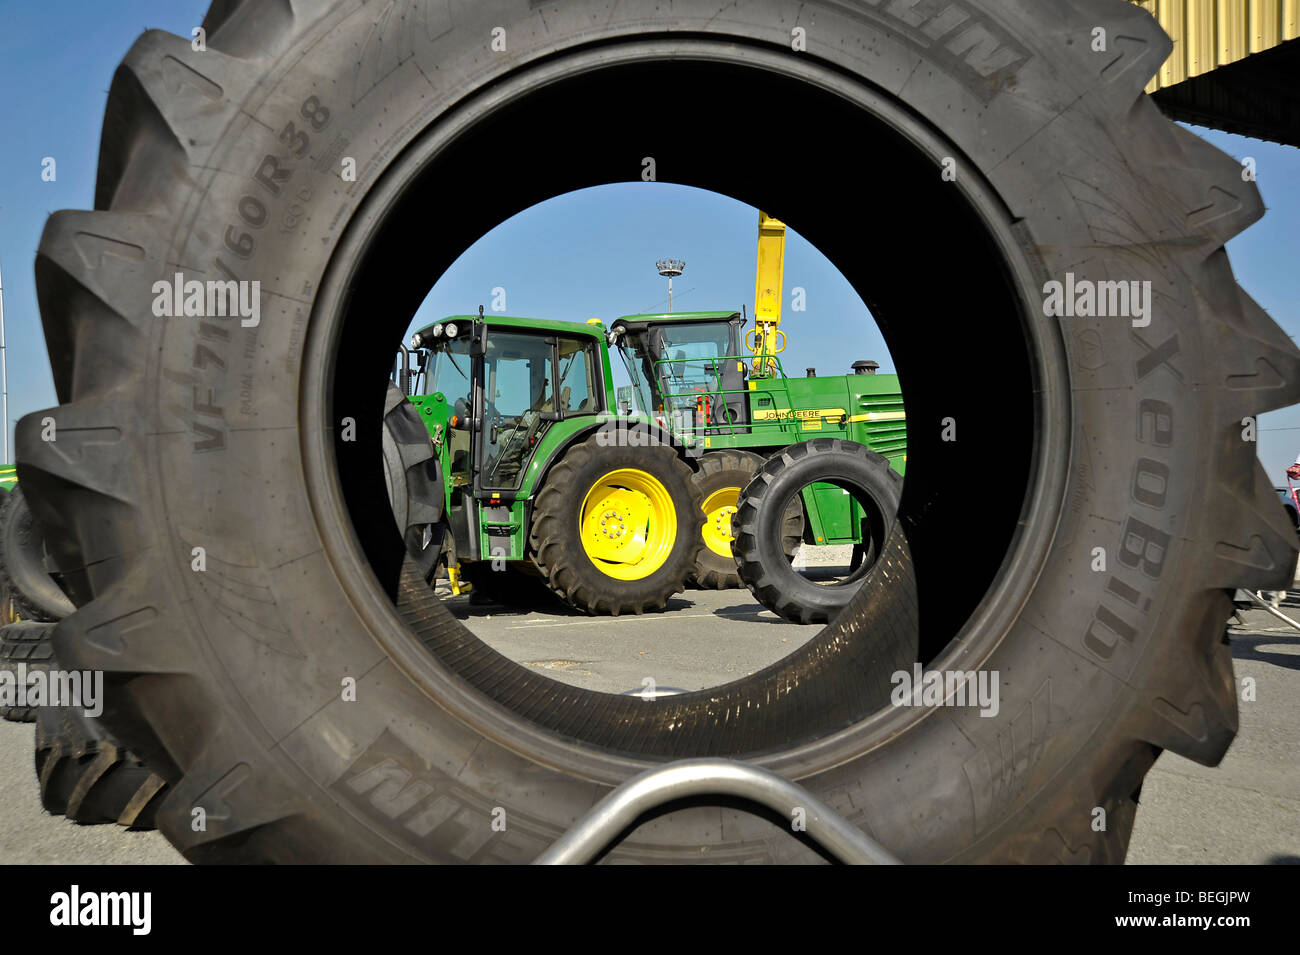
767	338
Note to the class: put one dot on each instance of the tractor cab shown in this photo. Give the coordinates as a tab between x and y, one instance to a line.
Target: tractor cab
686	367
492	393
505	382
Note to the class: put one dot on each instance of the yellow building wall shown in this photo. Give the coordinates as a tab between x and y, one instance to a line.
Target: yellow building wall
1210	33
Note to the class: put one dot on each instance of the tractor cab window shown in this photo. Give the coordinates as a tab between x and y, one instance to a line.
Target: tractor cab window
518	378
686	354
699	387
530	380
577	377
450	370
517	389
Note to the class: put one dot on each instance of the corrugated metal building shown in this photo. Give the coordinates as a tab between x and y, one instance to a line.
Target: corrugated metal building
1235	65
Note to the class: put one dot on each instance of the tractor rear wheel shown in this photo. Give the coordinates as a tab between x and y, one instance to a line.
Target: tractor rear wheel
617	529
720	478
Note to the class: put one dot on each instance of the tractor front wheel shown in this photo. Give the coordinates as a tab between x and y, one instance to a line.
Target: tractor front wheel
617	529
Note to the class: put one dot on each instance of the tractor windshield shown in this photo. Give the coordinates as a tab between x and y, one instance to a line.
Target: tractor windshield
687	352
669	363
692	374
529	381
451	370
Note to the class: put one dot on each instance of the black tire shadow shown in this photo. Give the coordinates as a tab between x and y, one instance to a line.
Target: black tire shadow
824	573
469	607
751	612
1245	646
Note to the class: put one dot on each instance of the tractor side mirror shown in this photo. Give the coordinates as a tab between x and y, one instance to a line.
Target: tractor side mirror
460	415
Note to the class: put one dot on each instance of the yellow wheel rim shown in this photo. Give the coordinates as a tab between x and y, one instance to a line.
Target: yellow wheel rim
718	508
628	524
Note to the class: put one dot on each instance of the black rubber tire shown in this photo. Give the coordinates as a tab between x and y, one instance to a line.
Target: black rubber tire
762	560
26	642
34	593
718	470
413	479
228	682
86	775
557	547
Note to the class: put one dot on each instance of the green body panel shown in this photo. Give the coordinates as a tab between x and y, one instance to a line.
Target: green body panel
8	477
832	516
867	409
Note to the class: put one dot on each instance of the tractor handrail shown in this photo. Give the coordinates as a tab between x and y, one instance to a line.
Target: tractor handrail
716	361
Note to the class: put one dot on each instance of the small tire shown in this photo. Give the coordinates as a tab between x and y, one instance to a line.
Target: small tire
760	547
32	591
556	532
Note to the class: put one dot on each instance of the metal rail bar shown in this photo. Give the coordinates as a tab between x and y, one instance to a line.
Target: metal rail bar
711	777
1270	608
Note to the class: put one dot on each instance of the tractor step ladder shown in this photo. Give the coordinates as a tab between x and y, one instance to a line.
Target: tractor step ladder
712	777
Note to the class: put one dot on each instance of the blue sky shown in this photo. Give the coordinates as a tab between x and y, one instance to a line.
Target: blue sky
573	257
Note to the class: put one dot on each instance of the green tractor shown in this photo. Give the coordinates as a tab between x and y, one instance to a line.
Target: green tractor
536	471
541	471
734	411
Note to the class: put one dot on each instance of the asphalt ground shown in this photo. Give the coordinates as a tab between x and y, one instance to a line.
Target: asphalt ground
1245	811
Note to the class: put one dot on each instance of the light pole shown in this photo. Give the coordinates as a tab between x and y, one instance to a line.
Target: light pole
670	268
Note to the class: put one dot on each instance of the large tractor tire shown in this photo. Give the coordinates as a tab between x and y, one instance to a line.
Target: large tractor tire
720	477
762	559
82	771
88	776
413	481
1003	150
616	529
34	594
